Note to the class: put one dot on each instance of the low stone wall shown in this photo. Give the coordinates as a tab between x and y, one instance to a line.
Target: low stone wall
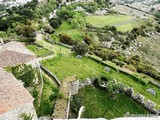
139	98
154	83
51	75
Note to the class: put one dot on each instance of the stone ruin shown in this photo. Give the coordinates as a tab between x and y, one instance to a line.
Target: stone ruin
150	104
129	92
139	98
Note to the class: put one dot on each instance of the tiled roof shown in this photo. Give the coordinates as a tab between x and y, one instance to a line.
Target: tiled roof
12	93
14	53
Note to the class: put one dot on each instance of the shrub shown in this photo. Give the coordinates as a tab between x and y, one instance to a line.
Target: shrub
64	38
55	22
87	39
80	49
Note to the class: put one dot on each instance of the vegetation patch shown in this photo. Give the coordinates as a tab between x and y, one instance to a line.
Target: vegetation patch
39	51
123	23
48	98
99	104
70	31
107	20
66	64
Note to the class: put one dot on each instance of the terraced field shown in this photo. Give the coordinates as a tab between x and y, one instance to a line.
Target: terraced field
123	23
65	64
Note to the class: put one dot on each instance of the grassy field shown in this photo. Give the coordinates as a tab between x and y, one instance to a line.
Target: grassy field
123	23
69	30
98	104
47	104
107	20
65	64
40	52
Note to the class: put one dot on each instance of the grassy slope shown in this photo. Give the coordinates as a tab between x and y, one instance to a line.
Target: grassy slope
114	19
107	20
65	64
69	30
98	104
47	105
40	52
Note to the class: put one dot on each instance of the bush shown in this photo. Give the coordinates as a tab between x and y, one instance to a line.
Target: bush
80	49
87	39
25	73
48	29
64	38
148	70
55	22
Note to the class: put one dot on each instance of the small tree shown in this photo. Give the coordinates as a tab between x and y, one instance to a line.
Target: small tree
87	39
64	38
55	22
28	31
80	48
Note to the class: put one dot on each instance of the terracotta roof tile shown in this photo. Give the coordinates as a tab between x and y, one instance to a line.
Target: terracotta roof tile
12	92
14	53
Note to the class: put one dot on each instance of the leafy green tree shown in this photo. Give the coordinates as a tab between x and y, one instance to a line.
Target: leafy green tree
55	22
28	31
3	24
87	39
80	49
64	38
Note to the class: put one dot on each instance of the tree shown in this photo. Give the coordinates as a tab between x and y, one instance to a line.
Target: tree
64	38
80	48
48	29
55	22
87	39
28	31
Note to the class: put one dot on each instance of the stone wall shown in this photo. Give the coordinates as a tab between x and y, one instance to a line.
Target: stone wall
139	98
15	114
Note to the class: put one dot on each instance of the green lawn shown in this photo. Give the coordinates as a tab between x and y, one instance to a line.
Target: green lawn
39	51
107	20
101	21
65	64
69	30
130	26
99	104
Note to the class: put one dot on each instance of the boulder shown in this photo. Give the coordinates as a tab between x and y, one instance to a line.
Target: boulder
108	69
139	97
79	57
129	92
151	91
150	104
88	81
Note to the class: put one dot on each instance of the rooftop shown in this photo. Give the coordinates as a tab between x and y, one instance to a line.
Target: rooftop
12	93
14	53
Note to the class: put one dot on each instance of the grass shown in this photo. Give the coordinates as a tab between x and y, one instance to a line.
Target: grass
65	64
112	19
99	104
69	30
47	105
39	51
130	26
107	20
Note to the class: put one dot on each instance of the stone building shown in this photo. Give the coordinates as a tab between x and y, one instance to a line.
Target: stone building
15	100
